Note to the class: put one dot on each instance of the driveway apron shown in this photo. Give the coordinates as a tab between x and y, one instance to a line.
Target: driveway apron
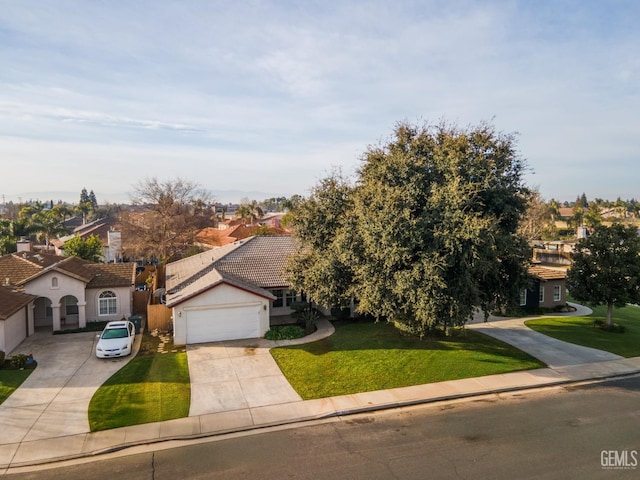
235	375
54	400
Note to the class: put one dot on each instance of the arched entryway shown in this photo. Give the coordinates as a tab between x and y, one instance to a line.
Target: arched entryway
69	313
42	313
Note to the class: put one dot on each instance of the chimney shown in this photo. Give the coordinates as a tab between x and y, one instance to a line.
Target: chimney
24	245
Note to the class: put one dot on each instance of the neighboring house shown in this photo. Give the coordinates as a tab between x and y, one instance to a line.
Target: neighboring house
105	229
68	290
548	290
230	292
554	253
15	311
215	237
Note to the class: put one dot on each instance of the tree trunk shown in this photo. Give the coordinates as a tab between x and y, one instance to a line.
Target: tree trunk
610	314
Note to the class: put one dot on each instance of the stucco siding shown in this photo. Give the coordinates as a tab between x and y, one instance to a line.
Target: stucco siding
123	304
220	297
43	286
13	330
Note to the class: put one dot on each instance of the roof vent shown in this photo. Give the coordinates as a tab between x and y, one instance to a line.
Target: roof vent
7	281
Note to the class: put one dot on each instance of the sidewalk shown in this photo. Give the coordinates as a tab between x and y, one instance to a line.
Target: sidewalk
88	444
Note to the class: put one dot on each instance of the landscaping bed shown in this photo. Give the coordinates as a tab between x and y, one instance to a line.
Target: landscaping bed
365	356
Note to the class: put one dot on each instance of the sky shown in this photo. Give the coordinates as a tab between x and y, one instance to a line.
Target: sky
262	98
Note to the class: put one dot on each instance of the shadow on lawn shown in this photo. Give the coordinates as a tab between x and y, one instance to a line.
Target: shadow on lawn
356	334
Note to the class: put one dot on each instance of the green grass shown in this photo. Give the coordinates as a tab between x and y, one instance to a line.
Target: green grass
366	356
150	388
580	330
10	380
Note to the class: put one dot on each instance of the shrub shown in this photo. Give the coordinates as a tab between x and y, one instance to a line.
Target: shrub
2	355
288	332
19	361
309	317
615	328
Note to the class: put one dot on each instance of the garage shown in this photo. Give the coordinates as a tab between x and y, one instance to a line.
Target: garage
217	323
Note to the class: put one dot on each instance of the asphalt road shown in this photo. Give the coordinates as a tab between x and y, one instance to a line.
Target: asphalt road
556	433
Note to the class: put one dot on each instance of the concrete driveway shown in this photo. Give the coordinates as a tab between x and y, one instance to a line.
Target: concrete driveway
54	400
553	352
235	375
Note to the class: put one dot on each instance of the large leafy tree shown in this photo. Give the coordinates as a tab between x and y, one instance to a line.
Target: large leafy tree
427	232
169	215
606	268
88	249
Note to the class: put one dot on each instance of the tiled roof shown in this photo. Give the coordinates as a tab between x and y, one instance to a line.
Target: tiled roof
111	274
22	267
253	264
544	273
12	301
260	260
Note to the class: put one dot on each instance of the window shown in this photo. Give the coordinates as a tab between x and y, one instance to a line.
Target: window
523	297
291	297
279	294
107	303
54	282
541	294
557	293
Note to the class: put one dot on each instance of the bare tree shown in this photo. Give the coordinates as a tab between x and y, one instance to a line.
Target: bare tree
166	218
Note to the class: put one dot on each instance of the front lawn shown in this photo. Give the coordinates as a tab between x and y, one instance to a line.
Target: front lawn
153	387
10	380
580	330
364	356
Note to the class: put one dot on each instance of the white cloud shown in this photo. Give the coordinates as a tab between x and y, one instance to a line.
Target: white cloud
269	93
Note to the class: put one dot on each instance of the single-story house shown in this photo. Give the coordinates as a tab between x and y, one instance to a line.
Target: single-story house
15	308
230	292
68	290
548	289
105	229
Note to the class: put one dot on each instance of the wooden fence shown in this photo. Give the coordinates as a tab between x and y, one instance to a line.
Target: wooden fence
158	316
140	301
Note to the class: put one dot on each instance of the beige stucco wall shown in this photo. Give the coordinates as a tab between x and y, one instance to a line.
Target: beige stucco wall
123	304
13	330
219	297
42	287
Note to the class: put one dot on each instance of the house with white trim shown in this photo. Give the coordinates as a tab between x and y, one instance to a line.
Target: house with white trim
230	292
65	291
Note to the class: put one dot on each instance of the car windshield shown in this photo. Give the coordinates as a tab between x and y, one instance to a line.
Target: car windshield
115	333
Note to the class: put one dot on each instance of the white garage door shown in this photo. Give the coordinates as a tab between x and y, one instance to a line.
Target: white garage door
229	323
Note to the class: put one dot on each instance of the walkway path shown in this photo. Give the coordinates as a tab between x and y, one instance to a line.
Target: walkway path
555	353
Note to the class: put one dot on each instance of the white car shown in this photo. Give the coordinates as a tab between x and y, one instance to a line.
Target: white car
116	340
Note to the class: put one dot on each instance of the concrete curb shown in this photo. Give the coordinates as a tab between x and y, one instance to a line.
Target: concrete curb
93	444
632	368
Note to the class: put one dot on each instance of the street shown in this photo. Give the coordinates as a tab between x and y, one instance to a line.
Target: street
589	431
